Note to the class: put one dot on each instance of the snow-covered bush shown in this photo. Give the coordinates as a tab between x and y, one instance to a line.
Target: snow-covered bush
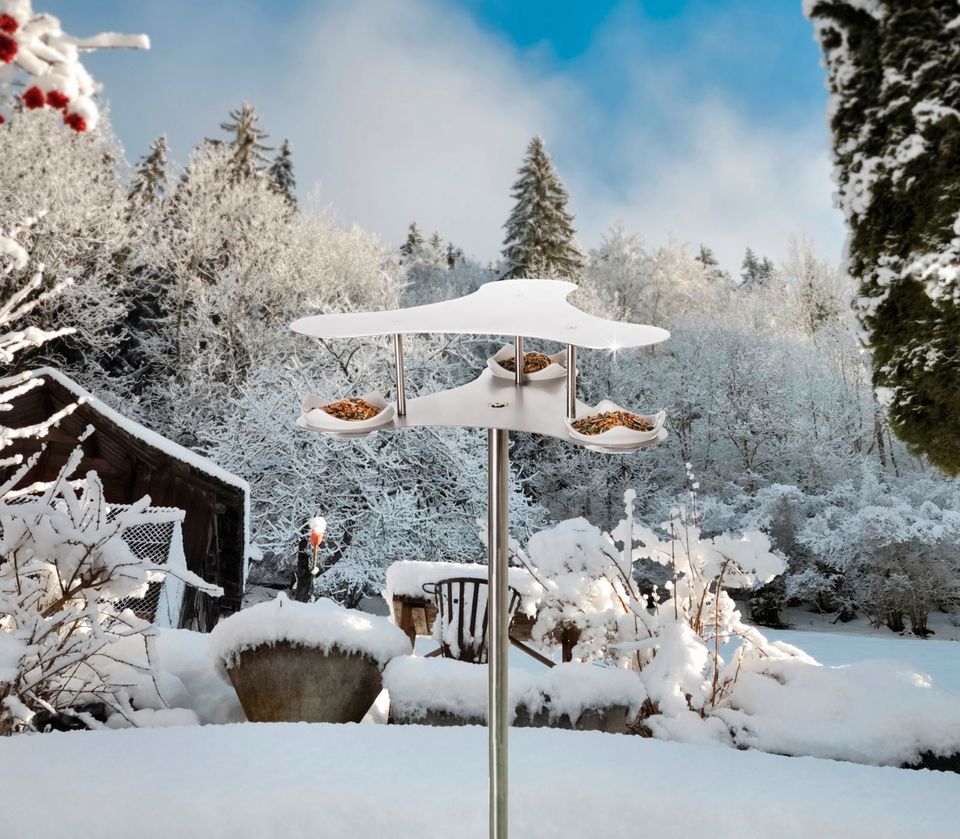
674	642
64	572
896	544
64	566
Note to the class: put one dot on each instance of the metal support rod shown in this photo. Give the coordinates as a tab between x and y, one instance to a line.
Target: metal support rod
571	381
518	360
498	643
398	370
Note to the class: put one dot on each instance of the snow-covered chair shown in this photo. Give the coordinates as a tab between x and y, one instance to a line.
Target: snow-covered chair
462	616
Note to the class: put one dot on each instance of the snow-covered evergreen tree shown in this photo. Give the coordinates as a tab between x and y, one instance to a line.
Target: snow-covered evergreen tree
149	181
249	154
755	271
281	173
893	71
540	235
413	242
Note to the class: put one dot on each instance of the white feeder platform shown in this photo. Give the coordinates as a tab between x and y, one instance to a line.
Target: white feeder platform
528	308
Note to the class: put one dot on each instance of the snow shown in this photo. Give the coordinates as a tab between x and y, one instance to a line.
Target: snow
879	712
12	649
368	782
15	252
940	659
407	578
186	678
323	624
417	685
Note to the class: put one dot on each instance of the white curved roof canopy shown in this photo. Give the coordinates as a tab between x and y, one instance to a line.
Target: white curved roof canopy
529	308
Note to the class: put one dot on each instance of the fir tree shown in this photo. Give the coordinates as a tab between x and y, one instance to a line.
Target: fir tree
249	152
455	256
893	71
540	234
711	266
414	241
755	271
149	180
436	243
281	174
706	258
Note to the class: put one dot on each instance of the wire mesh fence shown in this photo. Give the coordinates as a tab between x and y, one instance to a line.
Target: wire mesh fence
160	543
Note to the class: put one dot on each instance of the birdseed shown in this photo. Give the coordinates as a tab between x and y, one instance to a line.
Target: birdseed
598	423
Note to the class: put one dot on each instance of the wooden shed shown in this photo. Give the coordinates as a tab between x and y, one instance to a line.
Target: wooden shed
133	461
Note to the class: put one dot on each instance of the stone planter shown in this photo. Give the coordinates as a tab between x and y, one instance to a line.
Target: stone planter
287	683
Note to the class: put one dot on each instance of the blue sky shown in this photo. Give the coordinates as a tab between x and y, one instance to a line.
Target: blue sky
701	120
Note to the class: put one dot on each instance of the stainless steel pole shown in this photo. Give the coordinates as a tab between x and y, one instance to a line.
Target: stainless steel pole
401	379
518	360
498	642
571	381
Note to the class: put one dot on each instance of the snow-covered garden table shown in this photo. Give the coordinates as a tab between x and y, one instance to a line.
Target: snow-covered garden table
524	309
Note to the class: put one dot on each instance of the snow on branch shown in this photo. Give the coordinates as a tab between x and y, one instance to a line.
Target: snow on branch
37	56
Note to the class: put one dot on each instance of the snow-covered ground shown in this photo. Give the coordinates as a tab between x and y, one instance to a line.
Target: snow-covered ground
940	659
363	781
370	782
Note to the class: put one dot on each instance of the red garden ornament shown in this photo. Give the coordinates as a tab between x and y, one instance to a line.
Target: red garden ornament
318	529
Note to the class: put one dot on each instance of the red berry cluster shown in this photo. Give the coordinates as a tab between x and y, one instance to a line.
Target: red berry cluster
34	98
8	49
58	99
8	24
76	122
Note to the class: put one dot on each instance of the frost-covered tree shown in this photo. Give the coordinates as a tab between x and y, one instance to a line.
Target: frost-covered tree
631	283
413	242
895	543
149	181
281	172
82	232
893	71
248	152
755	271
540	235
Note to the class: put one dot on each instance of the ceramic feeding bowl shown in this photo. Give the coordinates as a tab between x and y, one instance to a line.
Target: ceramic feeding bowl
314	415
557	368
617	435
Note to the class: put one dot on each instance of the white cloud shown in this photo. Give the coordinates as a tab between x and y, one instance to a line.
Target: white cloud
411	111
